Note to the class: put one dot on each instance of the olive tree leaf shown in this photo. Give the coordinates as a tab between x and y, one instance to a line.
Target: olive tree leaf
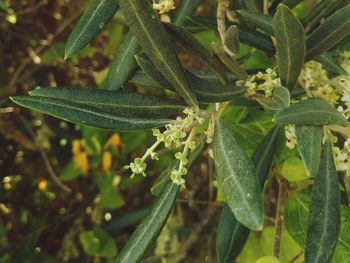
192	45
232	235
94	19
314	112
205	90
146	26
232	39
330	64
185	9
149	228
324	216
296	221
280	100
334	29
123	65
291	48
101	108
236	175
291	3
309	143
259	20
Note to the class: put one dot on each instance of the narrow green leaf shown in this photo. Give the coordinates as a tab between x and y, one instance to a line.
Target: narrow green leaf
259	20
324	216
130	104
291	48
94	19
330	64
186	9
123	65
314	112
229	62
296	220
291	3
205	90
146	26
101	108
237	177
232	39
232	235
334	29
280	100
256	39
309	142
150	227
192	45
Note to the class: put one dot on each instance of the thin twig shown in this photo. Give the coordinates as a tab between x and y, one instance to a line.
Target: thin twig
200	202
282	193
48	166
294	259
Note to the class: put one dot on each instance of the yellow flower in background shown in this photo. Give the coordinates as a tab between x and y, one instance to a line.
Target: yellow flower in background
42	185
82	161
106	161
114	141
76	147
164	6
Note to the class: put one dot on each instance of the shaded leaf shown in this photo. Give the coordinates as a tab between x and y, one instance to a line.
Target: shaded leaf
334	29
309	142
229	62
314	112
150	227
185	9
331	64
291	48
324	215
232	39
236	175
291	3
146	26
296	221
192	45
259	20
123	65
94	19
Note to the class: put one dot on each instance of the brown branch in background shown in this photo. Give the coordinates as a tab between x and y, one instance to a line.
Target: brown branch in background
48	166
221	19
191	241
282	194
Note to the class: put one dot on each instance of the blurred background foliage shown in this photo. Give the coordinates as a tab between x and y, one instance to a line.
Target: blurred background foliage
90	212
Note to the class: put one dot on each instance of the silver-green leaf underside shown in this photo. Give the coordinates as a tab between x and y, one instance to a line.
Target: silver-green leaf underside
146	26
291	48
123	65
324	216
94	19
101	108
232	235
236	175
309	142
314	112
334	29
150	227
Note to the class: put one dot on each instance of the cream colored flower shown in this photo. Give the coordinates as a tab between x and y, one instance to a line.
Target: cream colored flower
164	6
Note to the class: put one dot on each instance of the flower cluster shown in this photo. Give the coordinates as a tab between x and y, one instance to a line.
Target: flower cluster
262	82
163	6
178	133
